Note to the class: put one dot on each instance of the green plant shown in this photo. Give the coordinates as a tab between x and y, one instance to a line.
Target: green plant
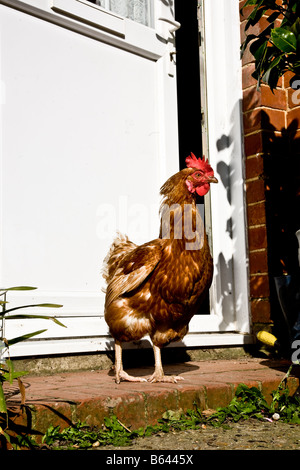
7	372
80	435
247	403
276	49
113	432
287	407
250	403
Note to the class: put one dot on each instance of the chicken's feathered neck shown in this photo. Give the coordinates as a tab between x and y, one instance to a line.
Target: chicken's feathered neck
175	190
180	219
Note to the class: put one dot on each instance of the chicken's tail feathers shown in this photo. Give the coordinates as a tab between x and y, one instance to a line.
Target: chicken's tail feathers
120	246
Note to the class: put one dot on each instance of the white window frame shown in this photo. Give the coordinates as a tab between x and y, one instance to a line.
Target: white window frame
93	21
91	14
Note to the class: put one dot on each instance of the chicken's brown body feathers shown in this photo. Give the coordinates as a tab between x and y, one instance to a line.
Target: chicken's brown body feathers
155	289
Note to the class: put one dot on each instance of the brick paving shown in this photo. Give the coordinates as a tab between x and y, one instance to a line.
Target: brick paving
64	398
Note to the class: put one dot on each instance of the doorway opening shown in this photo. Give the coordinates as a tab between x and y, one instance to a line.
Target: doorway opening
188	91
188	80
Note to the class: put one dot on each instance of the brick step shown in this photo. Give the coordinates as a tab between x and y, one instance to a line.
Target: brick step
63	399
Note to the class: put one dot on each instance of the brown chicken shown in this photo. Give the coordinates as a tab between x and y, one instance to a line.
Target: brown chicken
154	289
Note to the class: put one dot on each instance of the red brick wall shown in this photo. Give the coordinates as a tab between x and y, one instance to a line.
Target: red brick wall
272	154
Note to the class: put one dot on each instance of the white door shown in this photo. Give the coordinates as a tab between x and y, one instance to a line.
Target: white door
89	134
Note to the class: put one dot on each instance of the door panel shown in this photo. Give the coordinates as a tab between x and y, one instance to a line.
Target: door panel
89	135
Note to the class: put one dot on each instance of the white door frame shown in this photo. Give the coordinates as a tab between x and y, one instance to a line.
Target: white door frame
225	150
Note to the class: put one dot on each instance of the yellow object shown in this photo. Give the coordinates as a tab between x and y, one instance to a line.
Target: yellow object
266	338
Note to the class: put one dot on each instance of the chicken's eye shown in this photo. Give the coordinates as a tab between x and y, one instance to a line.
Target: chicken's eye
198	174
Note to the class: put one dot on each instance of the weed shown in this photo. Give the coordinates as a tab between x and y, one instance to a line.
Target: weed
114	433
82	436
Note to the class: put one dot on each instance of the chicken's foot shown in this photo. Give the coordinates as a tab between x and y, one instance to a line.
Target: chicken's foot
120	373
158	375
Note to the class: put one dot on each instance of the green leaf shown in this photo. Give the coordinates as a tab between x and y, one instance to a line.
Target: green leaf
14	375
172	415
295	28
41	317
3	408
57	321
7	436
250	2
9	374
258	48
34	305
284	39
18	339
275	70
49	305
18	288
257	13
276	61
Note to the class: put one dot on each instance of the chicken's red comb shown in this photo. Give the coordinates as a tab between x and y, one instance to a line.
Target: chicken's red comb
199	163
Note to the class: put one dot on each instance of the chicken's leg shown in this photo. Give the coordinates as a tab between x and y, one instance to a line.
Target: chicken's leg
158	375
120	373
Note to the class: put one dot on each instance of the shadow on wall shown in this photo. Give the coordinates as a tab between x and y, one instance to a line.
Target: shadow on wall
281	166
281	176
282	191
228	147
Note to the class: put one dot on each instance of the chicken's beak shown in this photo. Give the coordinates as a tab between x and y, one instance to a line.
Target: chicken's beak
212	179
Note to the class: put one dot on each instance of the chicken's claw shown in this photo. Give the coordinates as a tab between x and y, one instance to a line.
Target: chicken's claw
165	378
123	376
